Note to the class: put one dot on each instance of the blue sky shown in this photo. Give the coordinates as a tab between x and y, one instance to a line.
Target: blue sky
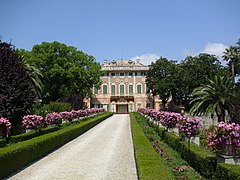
129	29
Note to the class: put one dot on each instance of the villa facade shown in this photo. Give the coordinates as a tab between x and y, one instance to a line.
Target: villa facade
123	87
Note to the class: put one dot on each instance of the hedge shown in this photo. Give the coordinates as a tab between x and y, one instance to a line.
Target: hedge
21	154
149	164
30	135
3	143
228	171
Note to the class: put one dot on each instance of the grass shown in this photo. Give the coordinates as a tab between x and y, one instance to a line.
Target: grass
171	159
149	163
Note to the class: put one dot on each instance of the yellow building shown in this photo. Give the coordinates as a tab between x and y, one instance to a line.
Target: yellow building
123	87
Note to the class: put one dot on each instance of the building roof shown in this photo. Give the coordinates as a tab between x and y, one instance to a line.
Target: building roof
123	65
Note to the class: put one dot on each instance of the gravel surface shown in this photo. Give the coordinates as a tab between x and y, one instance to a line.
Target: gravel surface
103	152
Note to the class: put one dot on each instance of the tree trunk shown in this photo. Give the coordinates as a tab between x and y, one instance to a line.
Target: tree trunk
233	73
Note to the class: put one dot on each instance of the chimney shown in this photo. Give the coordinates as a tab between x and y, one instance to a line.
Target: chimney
105	61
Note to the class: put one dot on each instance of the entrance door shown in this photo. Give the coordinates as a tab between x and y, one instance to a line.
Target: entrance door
122	109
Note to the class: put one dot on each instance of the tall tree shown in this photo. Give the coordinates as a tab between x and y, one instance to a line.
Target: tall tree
232	55
217	96
16	94
194	71
65	70
161	78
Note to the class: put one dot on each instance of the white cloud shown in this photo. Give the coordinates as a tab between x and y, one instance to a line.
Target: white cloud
215	49
211	48
146	59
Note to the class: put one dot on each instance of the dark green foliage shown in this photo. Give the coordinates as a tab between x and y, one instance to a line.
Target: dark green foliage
53	107
228	171
21	154
16	93
30	135
149	164
2	143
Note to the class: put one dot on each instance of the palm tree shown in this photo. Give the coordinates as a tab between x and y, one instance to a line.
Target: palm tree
35	75
232	55
217	96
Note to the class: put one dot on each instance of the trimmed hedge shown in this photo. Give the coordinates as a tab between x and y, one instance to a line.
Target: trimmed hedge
30	135
3	143
149	164
228	171
21	154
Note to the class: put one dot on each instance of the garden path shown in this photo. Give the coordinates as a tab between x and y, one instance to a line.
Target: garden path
103	152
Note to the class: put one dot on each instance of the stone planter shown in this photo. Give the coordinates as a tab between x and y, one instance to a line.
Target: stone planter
174	130
30	130
193	139
228	159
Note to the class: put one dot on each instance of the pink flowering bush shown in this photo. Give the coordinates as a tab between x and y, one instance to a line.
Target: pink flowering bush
31	121
53	118
188	125
6	125
66	116
169	119
225	135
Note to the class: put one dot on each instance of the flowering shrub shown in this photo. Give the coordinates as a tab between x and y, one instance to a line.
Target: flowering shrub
7	124
52	118
223	135
31	121
169	119
188	125
66	116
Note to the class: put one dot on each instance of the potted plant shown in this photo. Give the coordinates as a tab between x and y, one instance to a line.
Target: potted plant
31	122
5	127
226	138
53	119
189	127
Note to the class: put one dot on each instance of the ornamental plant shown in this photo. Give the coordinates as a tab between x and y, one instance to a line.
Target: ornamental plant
6	125
169	119
66	116
32	121
225	136
188	125
53	118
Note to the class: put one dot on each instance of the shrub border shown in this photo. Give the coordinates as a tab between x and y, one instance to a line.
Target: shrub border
21	154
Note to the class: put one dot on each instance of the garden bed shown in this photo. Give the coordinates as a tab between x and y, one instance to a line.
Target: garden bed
19	155
178	167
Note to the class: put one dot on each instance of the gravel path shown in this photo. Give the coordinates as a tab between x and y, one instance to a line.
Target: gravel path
104	152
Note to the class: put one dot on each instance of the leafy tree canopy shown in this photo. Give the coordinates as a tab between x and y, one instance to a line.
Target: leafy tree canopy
65	70
161	78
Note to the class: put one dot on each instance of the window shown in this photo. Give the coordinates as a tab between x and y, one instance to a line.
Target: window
139	105
130	89
130	107
113	89
139	88
148	105
130	74
142	73
104	87
95	90
121	90
121	74
113	74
